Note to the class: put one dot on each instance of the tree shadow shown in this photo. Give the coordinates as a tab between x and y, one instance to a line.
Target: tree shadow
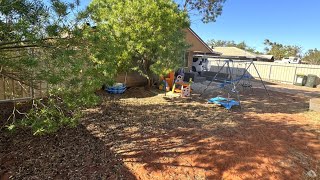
257	100
277	102
71	153
172	138
131	92
196	140
301	91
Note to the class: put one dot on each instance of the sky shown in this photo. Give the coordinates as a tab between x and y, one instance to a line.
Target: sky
289	22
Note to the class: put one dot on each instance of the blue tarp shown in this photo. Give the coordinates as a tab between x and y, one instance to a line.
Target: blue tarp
224	102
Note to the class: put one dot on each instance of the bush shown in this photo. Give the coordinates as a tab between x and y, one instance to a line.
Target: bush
51	114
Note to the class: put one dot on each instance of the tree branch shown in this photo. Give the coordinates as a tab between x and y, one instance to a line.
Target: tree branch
2	72
185	5
22	46
26	41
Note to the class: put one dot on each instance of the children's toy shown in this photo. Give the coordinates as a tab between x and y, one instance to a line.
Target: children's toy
179	79
183	88
185	91
170	79
117	88
180	71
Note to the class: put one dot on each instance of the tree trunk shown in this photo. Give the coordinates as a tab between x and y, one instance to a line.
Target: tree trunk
150	80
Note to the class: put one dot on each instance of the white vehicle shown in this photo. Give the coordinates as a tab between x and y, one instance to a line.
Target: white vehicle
199	63
290	60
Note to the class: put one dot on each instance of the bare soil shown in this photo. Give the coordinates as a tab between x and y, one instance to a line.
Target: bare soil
146	135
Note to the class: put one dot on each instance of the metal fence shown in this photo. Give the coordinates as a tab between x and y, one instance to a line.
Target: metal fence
268	70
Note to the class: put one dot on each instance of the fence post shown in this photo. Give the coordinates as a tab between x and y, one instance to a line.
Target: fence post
13	92
270	72
4	87
294	75
32	90
40	88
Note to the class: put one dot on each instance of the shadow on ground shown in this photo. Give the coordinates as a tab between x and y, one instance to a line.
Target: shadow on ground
183	139
131	92
289	89
156	137
69	154
256	100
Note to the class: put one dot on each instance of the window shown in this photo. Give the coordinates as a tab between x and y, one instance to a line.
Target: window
195	59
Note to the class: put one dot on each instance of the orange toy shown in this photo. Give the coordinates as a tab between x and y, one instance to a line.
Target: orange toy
182	84
170	79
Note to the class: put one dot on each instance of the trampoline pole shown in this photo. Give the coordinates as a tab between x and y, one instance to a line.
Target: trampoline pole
231	77
238	96
213	78
244	73
261	79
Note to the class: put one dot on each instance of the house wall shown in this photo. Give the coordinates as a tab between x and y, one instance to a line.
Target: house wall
196	44
190	58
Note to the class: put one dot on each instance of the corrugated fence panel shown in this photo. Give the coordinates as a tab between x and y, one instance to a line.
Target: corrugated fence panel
287	72
282	73
269	70
308	70
261	68
11	89
264	70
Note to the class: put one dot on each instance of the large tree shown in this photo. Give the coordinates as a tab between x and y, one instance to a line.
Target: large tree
208	10
280	51
312	56
50	42
39	42
148	34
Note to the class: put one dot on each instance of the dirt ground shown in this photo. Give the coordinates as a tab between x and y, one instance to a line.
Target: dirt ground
145	135
289	88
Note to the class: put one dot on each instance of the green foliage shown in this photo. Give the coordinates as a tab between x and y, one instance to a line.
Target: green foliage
241	45
146	35
280	51
50	43
312	56
53	43
209	10
49	116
